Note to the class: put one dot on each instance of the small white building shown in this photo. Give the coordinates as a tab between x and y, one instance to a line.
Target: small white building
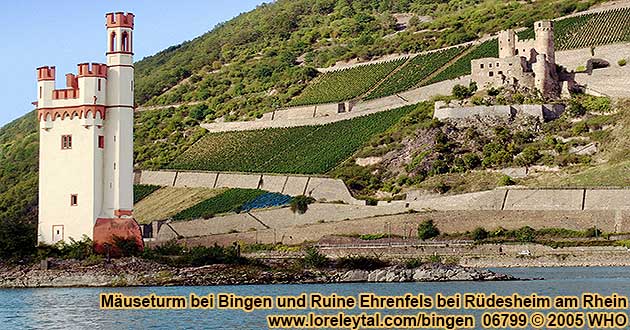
86	144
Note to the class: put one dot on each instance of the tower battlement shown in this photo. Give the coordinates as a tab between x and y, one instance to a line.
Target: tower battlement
543	26
45	73
92	70
119	19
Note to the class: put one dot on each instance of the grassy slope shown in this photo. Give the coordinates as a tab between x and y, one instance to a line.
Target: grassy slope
168	201
610	168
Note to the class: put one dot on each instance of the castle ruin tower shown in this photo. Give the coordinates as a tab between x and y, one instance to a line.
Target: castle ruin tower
507	43
118	176
545	66
544	40
86	147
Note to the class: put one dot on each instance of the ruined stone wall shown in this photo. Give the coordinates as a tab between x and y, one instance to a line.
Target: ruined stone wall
541	111
488	72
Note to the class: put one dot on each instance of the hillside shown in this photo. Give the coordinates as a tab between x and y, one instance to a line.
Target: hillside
260	61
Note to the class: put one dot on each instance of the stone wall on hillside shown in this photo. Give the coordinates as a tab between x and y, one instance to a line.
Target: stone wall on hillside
524	199
541	111
405	225
322	189
329	113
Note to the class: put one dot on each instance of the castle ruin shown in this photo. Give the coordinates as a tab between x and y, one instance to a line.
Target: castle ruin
527	63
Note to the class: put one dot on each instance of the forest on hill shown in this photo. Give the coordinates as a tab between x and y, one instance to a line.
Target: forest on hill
258	62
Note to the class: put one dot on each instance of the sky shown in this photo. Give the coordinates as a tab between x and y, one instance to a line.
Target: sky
63	33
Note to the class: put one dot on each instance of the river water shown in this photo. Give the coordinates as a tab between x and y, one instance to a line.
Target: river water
78	308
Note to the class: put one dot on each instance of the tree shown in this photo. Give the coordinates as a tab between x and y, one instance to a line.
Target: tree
427	230
17	239
299	204
460	91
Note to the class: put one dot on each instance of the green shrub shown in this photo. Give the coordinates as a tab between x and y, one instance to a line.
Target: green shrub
441	188
435	258
314	259
471	161
371	201
414	263
596	103
201	256
525	234
506	180
622	62
580	69
579	128
78	250
299	204
127	246
479	234
371	237
427	230
592	232
527	157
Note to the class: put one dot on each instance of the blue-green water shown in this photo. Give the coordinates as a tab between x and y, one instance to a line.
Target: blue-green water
78	308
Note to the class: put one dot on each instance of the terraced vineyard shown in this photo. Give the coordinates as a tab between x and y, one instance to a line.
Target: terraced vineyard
595	29
461	67
307	149
588	30
343	85
230	201
414	72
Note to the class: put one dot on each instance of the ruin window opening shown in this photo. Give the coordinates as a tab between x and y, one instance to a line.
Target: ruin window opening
491	74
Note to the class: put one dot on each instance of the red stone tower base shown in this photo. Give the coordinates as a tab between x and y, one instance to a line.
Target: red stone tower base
105	230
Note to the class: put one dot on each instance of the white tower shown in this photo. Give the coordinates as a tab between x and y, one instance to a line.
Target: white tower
118	201
86	146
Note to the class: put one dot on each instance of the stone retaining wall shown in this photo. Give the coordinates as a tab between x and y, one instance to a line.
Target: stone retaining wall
322	189
541	111
530	200
405	224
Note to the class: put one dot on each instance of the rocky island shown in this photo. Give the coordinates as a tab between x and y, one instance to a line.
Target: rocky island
140	272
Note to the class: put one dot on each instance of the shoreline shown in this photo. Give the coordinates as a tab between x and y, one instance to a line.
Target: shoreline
136	272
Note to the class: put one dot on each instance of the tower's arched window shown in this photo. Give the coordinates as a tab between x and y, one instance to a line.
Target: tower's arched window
125	42
112	42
